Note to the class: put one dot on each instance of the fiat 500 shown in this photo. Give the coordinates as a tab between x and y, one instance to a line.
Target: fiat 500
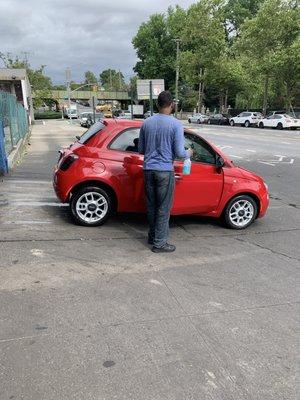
102	173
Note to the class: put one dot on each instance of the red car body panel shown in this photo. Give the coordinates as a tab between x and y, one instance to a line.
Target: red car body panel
206	191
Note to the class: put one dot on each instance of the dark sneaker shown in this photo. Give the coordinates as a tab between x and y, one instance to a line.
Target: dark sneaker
150	241
167	248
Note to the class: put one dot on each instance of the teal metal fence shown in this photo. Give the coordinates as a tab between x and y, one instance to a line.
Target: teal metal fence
14	119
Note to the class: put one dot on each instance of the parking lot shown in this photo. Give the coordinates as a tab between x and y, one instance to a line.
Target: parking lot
92	313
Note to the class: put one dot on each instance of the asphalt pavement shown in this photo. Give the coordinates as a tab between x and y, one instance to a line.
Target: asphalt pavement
92	313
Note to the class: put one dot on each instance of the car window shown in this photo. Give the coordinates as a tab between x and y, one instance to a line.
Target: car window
276	116
127	141
247	114
202	150
95	128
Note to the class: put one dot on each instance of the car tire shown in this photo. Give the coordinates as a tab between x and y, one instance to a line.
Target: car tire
208	121
231	122
261	125
189	121
247	124
240	212
198	121
279	126
91	196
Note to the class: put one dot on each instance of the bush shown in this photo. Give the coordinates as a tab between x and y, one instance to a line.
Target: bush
47	115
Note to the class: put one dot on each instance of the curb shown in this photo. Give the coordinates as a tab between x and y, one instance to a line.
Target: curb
17	153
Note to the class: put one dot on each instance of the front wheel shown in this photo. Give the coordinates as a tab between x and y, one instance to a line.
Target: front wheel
240	212
231	122
261	125
279	126
209	122
198	121
189	121
91	206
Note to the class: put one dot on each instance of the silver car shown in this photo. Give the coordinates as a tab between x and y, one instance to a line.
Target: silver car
197	118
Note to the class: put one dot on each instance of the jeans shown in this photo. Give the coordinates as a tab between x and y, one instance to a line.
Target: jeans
159	187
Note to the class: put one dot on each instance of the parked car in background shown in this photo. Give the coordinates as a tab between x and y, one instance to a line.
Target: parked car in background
246	118
102	173
83	117
219	119
90	119
197	118
125	114
279	121
148	114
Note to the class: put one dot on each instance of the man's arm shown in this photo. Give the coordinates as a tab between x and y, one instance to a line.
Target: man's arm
141	147
179	149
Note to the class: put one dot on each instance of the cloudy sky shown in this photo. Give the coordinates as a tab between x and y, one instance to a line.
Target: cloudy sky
80	34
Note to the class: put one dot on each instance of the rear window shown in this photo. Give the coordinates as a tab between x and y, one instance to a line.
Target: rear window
95	128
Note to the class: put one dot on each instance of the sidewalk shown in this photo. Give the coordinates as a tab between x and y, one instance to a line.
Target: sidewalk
91	313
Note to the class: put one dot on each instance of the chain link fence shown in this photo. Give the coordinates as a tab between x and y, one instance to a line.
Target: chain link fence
14	119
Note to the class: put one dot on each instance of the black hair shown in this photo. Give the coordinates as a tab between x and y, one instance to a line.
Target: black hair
164	99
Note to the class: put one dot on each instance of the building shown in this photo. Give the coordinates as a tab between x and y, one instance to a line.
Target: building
15	81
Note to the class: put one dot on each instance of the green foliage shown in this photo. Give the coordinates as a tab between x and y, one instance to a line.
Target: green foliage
37	78
246	52
112	80
48	115
90	77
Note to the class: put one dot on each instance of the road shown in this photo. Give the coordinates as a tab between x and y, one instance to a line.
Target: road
91	313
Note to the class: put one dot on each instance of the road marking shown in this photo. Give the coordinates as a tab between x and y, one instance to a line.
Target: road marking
285	142
221	147
252	151
279	161
232	155
39	222
37	252
37	204
155	282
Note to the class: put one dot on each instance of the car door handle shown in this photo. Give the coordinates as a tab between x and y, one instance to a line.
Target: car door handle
178	176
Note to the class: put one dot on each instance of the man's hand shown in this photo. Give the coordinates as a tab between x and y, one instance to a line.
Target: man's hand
191	151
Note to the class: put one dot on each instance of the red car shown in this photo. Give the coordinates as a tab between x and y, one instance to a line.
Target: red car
103	172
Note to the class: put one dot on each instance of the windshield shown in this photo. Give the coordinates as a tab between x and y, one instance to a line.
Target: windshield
95	128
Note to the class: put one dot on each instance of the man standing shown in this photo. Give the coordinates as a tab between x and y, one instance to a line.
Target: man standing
161	141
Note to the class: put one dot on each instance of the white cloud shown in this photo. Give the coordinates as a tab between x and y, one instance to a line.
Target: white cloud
87	34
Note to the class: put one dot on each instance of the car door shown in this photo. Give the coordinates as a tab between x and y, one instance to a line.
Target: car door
127	167
201	191
238	119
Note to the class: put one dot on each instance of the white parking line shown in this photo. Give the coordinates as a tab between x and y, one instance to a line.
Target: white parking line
37	204
232	155
252	151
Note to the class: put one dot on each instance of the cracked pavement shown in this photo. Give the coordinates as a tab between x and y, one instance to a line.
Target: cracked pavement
91	313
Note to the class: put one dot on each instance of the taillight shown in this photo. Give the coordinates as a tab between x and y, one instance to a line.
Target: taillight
67	162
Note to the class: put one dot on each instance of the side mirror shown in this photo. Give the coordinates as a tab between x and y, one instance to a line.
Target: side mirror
219	163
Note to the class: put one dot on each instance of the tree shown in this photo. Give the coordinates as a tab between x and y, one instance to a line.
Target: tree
40	83
268	40
112	80
90	77
156	50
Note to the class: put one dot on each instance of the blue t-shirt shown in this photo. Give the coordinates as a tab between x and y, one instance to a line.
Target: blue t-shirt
161	141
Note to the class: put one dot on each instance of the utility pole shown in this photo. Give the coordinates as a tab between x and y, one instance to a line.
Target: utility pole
151	97
200	91
177	41
110	80
68	81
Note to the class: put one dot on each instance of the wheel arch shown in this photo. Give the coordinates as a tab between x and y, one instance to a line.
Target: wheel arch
100	184
245	193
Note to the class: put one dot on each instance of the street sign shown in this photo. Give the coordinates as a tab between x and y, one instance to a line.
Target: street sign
143	88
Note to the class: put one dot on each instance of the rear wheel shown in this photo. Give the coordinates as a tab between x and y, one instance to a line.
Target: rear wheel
198	121
91	206
279	126
189	121
231	122
247	124
261	125
240	212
